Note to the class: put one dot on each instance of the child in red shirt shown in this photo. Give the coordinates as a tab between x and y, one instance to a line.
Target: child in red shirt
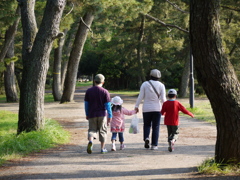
171	110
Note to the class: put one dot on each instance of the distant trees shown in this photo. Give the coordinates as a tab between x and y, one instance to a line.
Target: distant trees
7	57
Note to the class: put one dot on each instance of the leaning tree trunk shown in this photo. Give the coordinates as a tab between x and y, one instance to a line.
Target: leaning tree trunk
9	77
217	76
36	59
57	85
67	50
75	56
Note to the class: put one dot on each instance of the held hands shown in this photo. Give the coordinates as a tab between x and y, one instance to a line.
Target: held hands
136	109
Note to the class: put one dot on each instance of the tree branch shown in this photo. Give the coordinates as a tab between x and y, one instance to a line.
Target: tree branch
226	7
176	6
164	24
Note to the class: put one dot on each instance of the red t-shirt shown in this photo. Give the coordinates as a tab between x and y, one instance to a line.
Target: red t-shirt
171	110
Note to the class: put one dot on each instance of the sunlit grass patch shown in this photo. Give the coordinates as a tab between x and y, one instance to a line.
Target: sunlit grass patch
202	110
13	146
83	84
124	92
209	166
48	97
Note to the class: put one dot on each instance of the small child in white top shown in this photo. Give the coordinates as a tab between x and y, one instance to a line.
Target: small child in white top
118	121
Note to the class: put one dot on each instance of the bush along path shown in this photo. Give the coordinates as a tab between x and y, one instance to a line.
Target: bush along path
71	161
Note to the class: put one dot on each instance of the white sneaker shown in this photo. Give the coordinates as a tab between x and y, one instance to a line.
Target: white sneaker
171	144
122	146
154	148
113	147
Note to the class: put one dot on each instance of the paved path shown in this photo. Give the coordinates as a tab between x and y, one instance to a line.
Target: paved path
71	161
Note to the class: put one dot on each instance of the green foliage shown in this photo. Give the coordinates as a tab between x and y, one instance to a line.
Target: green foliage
13	146
9	60
117	40
209	166
7	13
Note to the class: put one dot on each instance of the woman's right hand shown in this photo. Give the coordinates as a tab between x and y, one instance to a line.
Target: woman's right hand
136	109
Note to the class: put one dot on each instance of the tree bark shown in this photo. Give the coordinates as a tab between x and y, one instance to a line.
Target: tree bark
75	56
67	50
36	59
185	79
9	77
217	76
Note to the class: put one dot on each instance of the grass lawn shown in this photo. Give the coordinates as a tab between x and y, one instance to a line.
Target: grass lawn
14	146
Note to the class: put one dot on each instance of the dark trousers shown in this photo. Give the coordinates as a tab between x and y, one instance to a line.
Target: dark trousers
151	120
172	132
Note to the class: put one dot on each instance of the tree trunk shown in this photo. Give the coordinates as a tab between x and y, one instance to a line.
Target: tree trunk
139	51
66	51
36	59
57	85
185	79
217	76
9	77
75	56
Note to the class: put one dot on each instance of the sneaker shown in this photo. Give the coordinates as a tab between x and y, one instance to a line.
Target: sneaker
122	146
146	145
103	151
154	148
89	147
113	147
171	144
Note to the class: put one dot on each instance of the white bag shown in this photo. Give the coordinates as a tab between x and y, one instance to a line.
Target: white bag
134	125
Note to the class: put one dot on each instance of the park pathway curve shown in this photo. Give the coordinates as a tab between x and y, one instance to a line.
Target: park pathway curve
71	161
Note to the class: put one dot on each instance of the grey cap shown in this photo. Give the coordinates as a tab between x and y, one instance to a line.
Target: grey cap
99	78
155	73
172	91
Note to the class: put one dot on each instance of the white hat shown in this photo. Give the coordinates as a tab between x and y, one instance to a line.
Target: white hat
117	100
172	91
155	73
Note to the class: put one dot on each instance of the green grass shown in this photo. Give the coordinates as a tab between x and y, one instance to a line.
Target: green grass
48	97
13	146
202	110
83	84
125	92
3	98
209	166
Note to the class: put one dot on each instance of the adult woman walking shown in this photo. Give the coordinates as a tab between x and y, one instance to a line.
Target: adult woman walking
154	95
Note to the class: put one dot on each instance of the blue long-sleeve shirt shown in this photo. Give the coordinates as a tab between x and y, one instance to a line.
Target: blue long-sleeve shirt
107	106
